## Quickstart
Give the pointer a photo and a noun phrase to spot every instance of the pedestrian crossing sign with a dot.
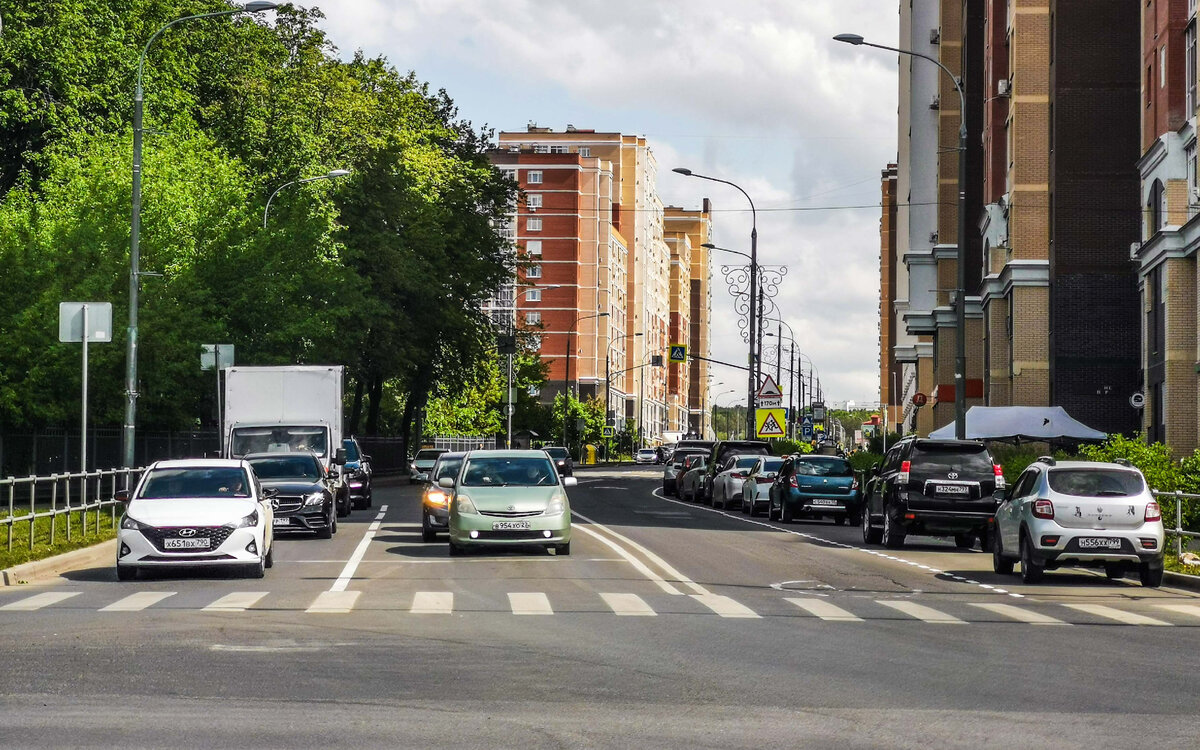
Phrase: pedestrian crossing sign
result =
(678, 353)
(769, 423)
(609, 431)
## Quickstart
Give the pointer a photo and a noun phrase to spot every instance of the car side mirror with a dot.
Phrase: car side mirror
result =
(122, 496)
(570, 482)
(423, 477)
(446, 482)
(270, 492)
(339, 456)
(875, 468)
(1001, 494)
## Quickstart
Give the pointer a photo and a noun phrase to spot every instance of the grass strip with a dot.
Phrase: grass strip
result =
(46, 546)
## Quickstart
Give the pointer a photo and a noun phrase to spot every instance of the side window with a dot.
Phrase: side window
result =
(892, 461)
(1025, 483)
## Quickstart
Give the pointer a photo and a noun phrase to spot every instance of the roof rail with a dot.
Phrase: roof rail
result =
(1048, 460)
(1123, 462)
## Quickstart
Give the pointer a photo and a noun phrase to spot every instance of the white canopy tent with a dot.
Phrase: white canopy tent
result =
(1029, 423)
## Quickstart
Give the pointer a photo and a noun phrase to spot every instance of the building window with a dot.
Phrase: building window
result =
(1154, 209)
(1149, 84)
(541, 148)
(1162, 66)
(533, 200)
(558, 149)
(533, 272)
(533, 318)
(585, 152)
(534, 295)
(533, 224)
(1189, 154)
(534, 248)
(509, 173)
(1189, 37)
(533, 177)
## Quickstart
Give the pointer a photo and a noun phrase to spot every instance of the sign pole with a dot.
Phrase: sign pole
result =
(84, 400)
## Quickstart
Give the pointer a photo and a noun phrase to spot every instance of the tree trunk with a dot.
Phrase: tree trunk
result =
(356, 407)
(376, 399)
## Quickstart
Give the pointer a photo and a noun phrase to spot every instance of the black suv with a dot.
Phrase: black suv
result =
(722, 451)
(933, 488)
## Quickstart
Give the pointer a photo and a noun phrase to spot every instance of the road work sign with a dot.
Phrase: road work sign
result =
(769, 423)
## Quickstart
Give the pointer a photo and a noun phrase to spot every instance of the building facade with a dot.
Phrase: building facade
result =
(687, 231)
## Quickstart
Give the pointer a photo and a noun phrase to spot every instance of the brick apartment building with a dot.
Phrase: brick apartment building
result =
(1051, 296)
(691, 313)
(590, 222)
(889, 368)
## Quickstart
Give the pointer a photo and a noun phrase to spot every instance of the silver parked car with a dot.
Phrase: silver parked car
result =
(1079, 513)
(727, 484)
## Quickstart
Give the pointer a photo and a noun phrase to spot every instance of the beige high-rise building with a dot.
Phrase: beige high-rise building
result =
(689, 385)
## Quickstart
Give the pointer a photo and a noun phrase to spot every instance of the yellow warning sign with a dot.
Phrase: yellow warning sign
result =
(769, 423)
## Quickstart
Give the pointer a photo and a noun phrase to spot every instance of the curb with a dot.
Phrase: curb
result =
(1182, 580)
(97, 555)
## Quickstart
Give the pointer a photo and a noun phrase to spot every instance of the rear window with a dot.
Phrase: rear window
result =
(749, 449)
(682, 455)
(823, 467)
(942, 459)
(745, 462)
(773, 464)
(427, 455)
(446, 467)
(1096, 482)
(557, 452)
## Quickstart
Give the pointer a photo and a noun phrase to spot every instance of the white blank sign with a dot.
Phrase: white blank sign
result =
(70, 321)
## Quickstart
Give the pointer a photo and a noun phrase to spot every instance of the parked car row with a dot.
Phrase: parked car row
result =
(226, 512)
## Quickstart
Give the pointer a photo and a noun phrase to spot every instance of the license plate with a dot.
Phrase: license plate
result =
(824, 501)
(1092, 542)
(951, 489)
(182, 543)
(510, 526)
(283, 521)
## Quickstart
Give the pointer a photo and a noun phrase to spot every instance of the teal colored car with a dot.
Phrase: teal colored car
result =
(811, 486)
(509, 498)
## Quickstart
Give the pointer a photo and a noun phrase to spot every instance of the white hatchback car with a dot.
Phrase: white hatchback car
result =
(196, 512)
(1079, 513)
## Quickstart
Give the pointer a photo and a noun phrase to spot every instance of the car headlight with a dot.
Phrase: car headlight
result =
(129, 523)
(464, 505)
(250, 520)
(555, 507)
(436, 497)
(315, 498)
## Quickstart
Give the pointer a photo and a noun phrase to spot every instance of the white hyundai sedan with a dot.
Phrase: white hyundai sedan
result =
(196, 512)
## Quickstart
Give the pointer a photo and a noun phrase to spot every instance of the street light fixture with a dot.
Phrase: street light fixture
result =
(755, 299)
(512, 330)
(331, 174)
(567, 381)
(135, 223)
(960, 302)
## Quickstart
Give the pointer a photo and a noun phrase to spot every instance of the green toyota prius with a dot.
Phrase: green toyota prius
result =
(509, 498)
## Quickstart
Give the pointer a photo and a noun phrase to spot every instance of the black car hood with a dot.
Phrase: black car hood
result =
(294, 487)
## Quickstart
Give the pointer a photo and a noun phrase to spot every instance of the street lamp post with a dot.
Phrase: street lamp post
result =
(331, 174)
(135, 224)
(567, 381)
(608, 373)
(960, 312)
(755, 301)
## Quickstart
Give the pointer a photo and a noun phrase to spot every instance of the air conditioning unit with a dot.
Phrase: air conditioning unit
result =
(1003, 87)
(935, 102)
(935, 36)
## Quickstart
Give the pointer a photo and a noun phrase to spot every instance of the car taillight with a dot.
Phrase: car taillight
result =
(998, 470)
(792, 481)
(854, 484)
(764, 480)
(1043, 509)
(905, 467)
(1153, 512)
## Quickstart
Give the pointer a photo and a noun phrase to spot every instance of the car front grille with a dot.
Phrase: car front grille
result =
(510, 513)
(288, 504)
(522, 534)
(218, 535)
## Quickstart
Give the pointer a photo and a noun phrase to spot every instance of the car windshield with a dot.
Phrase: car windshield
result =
(557, 452)
(509, 471)
(1096, 482)
(446, 467)
(201, 481)
(351, 450)
(286, 467)
(823, 467)
(247, 440)
(428, 455)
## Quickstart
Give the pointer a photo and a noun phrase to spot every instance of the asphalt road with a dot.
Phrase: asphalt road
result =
(670, 625)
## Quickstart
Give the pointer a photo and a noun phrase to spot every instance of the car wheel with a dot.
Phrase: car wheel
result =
(1000, 563)
(871, 535)
(666, 490)
(455, 550)
(269, 560)
(1151, 576)
(893, 535)
(126, 573)
(1031, 572)
(854, 518)
(785, 513)
(562, 549)
(964, 541)
(258, 569)
(333, 524)
(428, 534)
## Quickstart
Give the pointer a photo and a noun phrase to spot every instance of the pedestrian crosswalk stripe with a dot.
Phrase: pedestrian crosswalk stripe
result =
(825, 610)
(37, 601)
(724, 606)
(628, 605)
(921, 612)
(1183, 609)
(137, 602)
(1129, 618)
(1020, 614)
(334, 602)
(238, 601)
(432, 603)
(530, 604)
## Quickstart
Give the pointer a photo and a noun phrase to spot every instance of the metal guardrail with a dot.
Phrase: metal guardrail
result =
(1178, 532)
(65, 494)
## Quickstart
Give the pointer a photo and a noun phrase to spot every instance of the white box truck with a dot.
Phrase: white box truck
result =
(286, 408)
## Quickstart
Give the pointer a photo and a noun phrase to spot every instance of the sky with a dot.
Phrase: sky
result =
(754, 91)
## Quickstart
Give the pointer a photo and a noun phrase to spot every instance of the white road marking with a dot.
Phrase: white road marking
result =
(824, 610)
(432, 603)
(1183, 609)
(724, 606)
(374, 526)
(334, 602)
(37, 601)
(137, 602)
(1020, 614)
(921, 612)
(530, 604)
(636, 563)
(673, 574)
(238, 601)
(1111, 613)
(628, 605)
